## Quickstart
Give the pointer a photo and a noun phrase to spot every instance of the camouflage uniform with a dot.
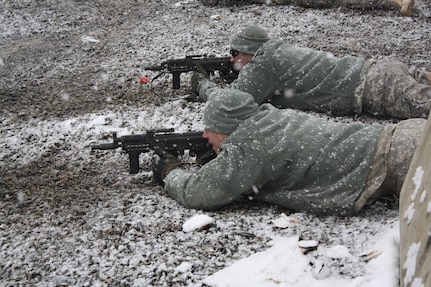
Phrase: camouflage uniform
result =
(393, 89)
(299, 161)
(307, 79)
(395, 149)
(415, 218)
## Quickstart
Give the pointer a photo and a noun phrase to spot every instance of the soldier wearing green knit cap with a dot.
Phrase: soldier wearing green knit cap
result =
(300, 161)
(288, 76)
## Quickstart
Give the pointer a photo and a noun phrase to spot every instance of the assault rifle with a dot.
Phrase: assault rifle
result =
(189, 64)
(173, 143)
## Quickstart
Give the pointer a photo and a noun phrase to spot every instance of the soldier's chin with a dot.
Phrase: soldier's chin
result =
(237, 66)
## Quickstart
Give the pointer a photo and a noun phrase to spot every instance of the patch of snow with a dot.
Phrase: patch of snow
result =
(410, 263)
(417, 181)
(197, 222)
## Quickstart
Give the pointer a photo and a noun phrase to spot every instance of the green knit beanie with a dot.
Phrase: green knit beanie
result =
(226, 109)
(249, 40)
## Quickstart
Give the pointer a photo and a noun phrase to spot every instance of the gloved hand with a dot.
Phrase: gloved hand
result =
(198, 76)
(206, 157)
(195, 81)
(163, 165)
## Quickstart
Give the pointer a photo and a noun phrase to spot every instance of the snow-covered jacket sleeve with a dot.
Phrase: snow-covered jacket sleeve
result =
(221, 181)
(205, 87)
(300, 78)
(259, 77)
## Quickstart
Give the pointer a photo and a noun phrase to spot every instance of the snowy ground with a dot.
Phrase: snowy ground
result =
(72, 217)
(119, 229)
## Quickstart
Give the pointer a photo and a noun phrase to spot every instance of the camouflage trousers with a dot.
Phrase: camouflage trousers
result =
(394, 153)
(405, 139)
(393, 89)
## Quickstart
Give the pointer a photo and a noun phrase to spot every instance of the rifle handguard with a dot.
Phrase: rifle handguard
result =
(166, 139)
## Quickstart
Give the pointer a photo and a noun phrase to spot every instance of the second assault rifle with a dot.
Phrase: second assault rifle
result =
(173, 143)
(189, 64)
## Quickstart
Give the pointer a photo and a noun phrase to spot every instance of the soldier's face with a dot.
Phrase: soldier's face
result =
(239, 60)
(214, 139)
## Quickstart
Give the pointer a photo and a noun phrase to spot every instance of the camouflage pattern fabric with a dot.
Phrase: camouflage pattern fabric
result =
(392, 89)
(405, 140)
(378, 170)
(394, 152)
(285, 157)
(415, 218)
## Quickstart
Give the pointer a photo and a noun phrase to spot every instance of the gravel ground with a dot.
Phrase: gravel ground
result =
(74, 218)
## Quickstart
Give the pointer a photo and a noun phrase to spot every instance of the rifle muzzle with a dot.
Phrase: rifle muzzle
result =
(153, 68)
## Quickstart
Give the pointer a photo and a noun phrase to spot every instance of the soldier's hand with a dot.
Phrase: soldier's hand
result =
(198, 76)
(202, 70)
(163, 164)
(196, 79)
(206, 157)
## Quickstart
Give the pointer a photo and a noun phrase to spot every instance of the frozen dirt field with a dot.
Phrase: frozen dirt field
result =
(69, 74)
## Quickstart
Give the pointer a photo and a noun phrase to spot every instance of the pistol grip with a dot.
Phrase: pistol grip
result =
(134, 162)
(176, 81)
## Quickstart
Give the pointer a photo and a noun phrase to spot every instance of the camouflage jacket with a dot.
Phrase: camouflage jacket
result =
(286, 157)
(299, 78)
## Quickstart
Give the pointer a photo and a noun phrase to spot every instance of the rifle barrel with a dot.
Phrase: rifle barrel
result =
(153, 68)
(105, 146)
